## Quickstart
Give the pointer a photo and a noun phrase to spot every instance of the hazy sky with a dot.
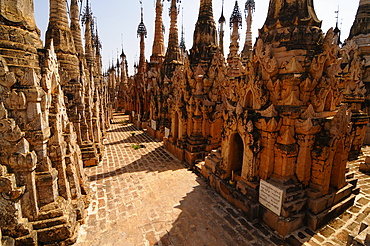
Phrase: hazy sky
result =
(120, 18)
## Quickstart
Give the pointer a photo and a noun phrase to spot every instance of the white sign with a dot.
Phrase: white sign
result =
(166, 132)
(133, 113)
(271, 197)
(154, 125)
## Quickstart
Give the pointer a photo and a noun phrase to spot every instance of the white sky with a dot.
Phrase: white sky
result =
(117, 18)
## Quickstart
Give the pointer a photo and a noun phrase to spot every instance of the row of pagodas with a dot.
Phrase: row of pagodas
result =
(271, 127)
(53, 115)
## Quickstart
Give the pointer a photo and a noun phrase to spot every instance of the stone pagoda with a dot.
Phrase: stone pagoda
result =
(141, 97)
(44, 194)
(196, 93)
(360, 34)
(159, 76)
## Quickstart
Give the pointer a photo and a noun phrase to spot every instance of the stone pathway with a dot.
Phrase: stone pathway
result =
(146, 196)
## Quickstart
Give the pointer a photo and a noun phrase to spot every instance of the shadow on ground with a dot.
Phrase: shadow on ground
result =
(157, 160)
(144, 163)
(206, 219)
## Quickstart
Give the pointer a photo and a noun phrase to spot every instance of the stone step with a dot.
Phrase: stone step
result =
(213, 158)
(198, 166)
(50, 214)
(293, 207)
(292, 196)
(57, 233)
(317, 205)
(41, 224)
(350, 175)
(315, 221)
(216, 153)
(353, 181)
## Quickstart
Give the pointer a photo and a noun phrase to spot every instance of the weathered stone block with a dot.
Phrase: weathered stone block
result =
(314, 222)
(55, 234)
(283, 225)
(365, 166)
(249, 191)
(175, 150)
(317, 205)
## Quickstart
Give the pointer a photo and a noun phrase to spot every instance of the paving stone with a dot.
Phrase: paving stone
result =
(293, 241)
(363, 201)
(355, 209)
(245, 234)
(353, 226)
(319, 238)
(278, 241)
(343, 236)
(245, 223)
(312, 243)
(327, 231)
(337, 223)
(232, 222)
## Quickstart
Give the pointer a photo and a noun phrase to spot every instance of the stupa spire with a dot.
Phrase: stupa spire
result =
(75, 26)
(205, 35)
(58, 13)
(98, 46)
(336, 29)
(361, 25)
(173, 55)
(158, 50)
(293, 16)
(142, 33)
(235, 23)
(222, 22)
(182, 40)
(87, 20)
(291, 13)
(250, 6)
(59, 32)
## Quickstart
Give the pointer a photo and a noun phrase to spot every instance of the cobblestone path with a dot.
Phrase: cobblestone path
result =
(147, 197)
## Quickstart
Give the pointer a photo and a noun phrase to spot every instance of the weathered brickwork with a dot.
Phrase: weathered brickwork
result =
(43, 128)
(270, 129)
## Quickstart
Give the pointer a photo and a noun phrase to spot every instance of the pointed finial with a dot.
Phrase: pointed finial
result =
(87, 15)
(250, 4)
(122, 53)
(222, 18)
(182, 42)
(141, 30)
(141, 3)
(236, 16)
(336, 29)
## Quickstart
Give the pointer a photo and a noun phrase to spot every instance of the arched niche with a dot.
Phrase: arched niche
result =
(236, 153)
(248, 100)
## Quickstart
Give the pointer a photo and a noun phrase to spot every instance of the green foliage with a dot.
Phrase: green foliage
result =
(136, 146)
